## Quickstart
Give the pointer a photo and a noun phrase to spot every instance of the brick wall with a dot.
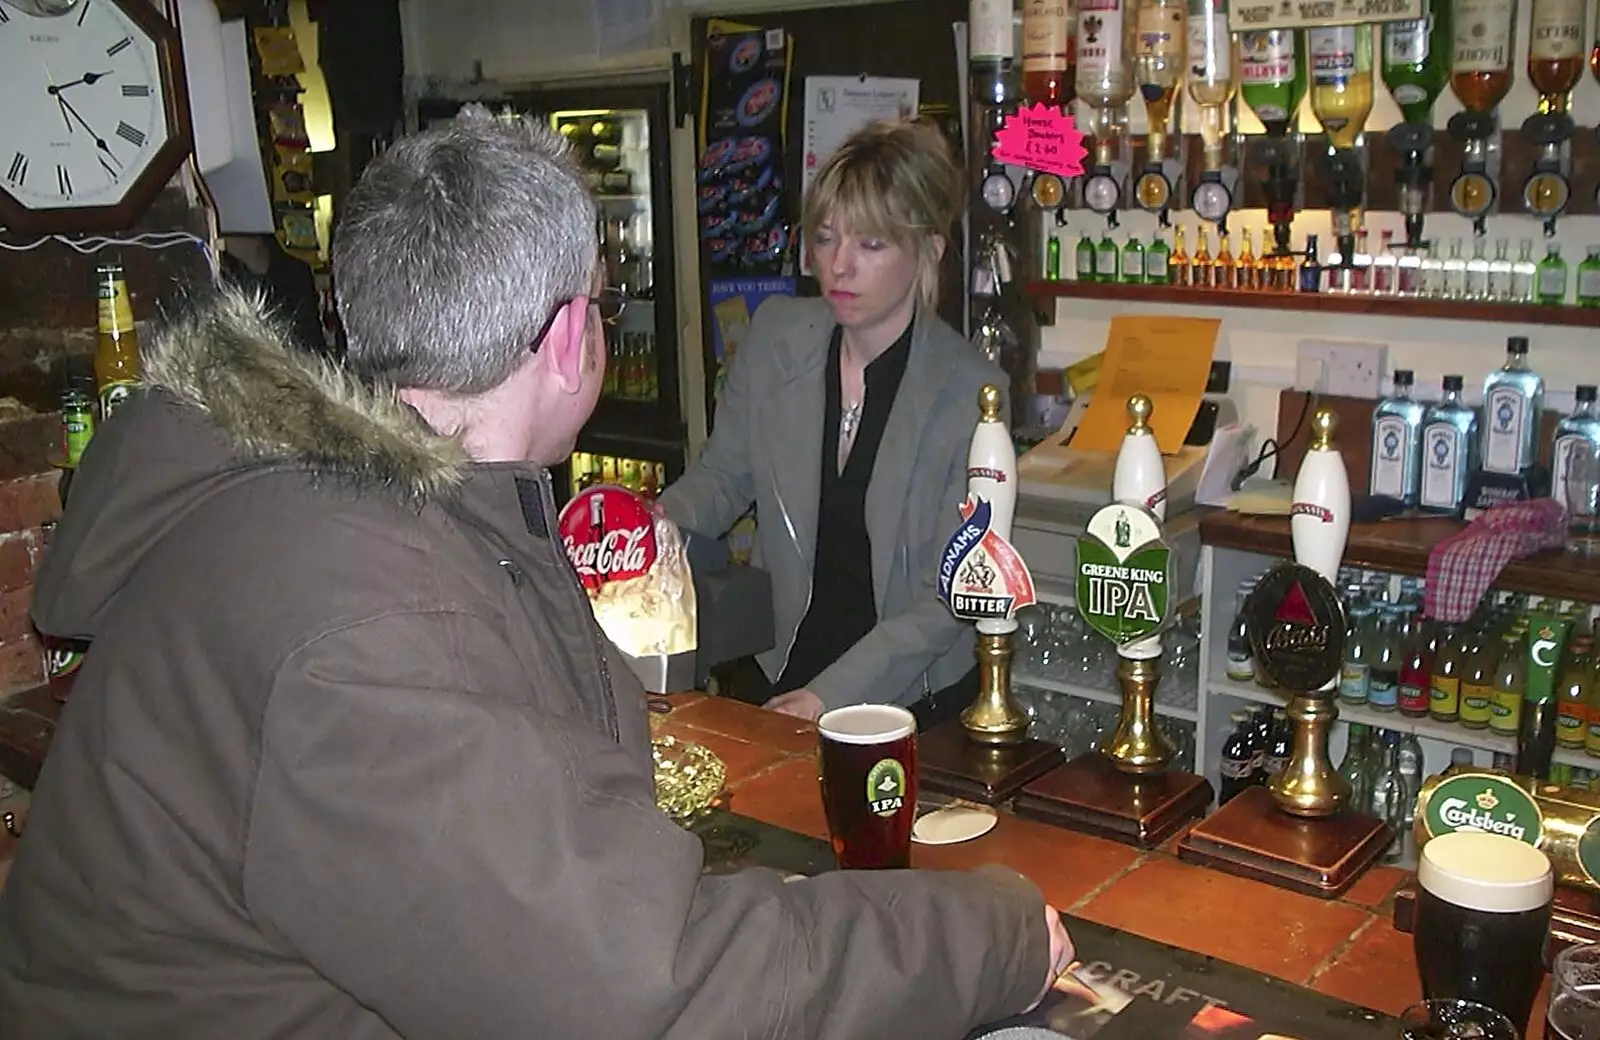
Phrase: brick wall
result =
(47, 316)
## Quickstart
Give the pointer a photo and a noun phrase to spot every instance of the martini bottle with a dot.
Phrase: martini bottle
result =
(1211, 72)
(1272, 77)
(1416, 60)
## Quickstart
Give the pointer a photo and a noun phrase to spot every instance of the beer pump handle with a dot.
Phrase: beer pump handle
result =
(1319, 514)
(1140, 477)
(992, 477)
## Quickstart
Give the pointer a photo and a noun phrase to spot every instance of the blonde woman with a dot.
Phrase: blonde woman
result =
(846, 421)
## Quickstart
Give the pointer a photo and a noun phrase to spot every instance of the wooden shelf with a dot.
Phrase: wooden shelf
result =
(1331, 303)
(1402, 545)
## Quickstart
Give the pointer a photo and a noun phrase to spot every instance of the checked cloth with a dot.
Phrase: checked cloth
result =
(1464, 566)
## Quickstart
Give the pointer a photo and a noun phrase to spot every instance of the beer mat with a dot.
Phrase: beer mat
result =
(1123, 987)
(953, 825)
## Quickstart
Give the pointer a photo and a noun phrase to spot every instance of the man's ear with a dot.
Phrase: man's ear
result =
(564, 345)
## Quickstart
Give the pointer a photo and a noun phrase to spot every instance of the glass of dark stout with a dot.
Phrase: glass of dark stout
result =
(1574, 1012)
(1483, 913)
(1454, 1020)
(867, 758)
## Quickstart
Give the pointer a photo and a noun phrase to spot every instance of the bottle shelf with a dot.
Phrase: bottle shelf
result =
(1431, 728)
(1044, 293)
(1176, 704)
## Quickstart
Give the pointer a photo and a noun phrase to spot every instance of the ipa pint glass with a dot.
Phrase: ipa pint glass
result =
(868, 761)
(1483, 911)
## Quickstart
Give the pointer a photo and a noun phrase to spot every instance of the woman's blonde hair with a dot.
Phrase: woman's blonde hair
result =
(896, 181)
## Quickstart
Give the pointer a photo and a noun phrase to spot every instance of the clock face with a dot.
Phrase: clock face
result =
(86, 106)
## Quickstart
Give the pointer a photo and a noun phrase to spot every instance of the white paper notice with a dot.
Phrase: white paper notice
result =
(838, 106)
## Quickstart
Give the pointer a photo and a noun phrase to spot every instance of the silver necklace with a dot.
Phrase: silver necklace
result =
(849, 421)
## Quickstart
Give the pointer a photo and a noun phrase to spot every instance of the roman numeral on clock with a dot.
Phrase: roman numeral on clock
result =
(64, 182)
(19, 170)
(135, 90)
(4, 18)
(120, 46)
(132, 135)
(83, 12)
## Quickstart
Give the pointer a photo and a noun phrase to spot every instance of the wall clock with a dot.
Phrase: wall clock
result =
(96, 113)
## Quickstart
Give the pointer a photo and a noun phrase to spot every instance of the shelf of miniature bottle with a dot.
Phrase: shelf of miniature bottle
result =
(1402, 546)
(1045, 293)
(1431, 728)
(1171, 703)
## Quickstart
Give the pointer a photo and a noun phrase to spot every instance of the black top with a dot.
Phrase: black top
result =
(843, 607)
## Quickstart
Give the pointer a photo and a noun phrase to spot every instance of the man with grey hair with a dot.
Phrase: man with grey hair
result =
(349, 757)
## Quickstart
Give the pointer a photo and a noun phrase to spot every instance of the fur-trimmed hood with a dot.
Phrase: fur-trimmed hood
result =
(229, 357)
(229, 398)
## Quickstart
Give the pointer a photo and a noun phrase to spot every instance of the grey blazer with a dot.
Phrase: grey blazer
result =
(766, 448)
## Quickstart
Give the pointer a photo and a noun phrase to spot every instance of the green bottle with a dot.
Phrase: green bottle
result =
(1133, 262)
(1155, 262)
(1550, 277)
(1052, 260)
(1416, 60)
(1272, 78)
(1084, 259)
(1105, 259)
(1589, 279)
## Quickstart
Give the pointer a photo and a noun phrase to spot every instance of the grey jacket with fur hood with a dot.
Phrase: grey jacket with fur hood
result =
(346, 761)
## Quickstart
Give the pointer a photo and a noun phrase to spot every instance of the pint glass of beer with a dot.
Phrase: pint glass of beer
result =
(868, 761)
(1574, 1012)
(1483, 911)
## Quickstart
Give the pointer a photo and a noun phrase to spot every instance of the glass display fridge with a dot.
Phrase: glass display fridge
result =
(620, 134)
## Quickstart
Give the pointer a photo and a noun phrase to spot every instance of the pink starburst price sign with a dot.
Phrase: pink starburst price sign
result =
(1043, 139)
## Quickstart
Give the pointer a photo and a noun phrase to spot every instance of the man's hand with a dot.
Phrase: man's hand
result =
(1061, 952)
(799, 703)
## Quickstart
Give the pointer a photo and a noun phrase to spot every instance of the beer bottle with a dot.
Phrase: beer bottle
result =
(1506, 710)
(1572, 693)
(116, 352)
(1477, 682)
(1444, 697)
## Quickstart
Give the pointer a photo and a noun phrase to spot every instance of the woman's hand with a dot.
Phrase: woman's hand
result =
(800, 703)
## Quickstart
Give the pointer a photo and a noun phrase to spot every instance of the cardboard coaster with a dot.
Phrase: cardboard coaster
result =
(953, 825)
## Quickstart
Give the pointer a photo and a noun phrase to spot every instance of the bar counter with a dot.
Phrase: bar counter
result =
(1346, 948)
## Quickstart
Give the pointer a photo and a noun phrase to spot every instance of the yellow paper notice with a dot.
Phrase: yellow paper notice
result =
(1167, 360)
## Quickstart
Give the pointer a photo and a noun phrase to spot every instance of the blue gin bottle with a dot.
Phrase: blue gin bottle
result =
(1513, 401)
(1449, 447)
(1397, 442)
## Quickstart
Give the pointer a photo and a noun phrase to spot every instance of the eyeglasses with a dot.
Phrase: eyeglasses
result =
(609, 301)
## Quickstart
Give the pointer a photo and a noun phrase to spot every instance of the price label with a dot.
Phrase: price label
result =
(1042, 139)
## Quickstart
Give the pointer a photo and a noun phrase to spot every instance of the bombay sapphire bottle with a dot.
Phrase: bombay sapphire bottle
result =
(1513, 400)
(1396, 440)
(1449, 444)
(1582, 425)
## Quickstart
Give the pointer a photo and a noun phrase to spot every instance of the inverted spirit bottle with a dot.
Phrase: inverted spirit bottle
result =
(1210, 79)
(1047, 52)
(1555, 51)
(1158, 57)
(1271, 77)
(1582, 426)
(1341, 80)
(1484, 35)
(1513, 401)
(1104, 78)
(1397, 442)
(1416, 60)
(1449, 447)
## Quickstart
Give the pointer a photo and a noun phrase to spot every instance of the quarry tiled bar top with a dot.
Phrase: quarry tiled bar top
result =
(1346, 948)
